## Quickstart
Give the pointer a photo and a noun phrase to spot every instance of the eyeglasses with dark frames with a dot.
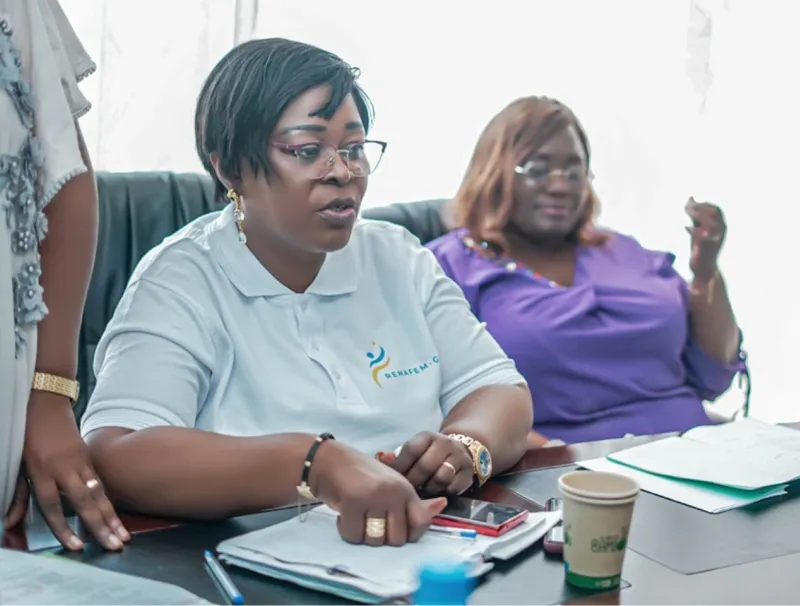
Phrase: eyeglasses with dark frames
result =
(317, 160)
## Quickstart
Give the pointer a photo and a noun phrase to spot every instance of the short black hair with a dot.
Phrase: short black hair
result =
(246, 93)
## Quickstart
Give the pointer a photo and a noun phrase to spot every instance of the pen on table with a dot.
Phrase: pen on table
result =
(458, 533)
(223, 580)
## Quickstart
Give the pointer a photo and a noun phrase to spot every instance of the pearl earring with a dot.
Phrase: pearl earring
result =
(238, 213)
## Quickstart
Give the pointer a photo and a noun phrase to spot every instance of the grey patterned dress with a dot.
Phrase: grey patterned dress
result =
(41, 62)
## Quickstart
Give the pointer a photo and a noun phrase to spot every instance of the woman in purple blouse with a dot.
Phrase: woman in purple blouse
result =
(611, 340)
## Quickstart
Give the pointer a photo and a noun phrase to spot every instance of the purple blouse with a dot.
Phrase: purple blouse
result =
(610, 355)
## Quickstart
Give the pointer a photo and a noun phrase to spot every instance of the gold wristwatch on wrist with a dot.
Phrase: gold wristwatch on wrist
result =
(481, 457)
(60, 386)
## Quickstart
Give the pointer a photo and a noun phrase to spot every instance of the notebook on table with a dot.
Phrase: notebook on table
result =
(311, 553)
(27, 578)
(714, 468)
(743, 455)
(702, 496)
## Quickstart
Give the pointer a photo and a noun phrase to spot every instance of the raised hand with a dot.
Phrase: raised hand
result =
(708, 234)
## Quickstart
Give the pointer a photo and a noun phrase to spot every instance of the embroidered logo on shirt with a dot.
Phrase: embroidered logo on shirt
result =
(379, 363)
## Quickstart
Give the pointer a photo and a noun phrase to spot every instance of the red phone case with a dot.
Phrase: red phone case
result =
(489, 531)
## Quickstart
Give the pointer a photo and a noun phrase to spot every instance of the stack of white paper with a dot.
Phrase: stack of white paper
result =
(713, 468)
(311, 553)
(39, 579)
(706, 497)
(746, 454)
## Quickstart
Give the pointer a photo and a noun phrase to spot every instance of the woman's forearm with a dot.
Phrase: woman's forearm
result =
(67, 255)
(713, 323)
(188, 473)
(500, 417)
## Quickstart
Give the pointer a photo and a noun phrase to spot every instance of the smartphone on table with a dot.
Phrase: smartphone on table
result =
(554, 539)
(485, 518)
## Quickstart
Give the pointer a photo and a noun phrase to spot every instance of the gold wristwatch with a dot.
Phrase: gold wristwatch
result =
(481, 457)
(60, 386)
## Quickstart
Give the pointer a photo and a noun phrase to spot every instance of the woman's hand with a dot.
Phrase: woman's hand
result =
(56, 461)
(364, 490)
(434, 463)
(708, 234)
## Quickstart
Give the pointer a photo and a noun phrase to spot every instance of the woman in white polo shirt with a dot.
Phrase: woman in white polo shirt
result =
(250, 336)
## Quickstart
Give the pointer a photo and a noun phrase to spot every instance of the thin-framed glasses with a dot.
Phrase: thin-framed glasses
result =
(318, 159)
(542, 173)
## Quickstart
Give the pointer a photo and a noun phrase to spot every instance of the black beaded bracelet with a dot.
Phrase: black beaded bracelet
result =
(304, 490)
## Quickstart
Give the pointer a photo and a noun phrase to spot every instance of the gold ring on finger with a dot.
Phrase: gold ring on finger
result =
(376, 528)
(92, 484)
(450, 466)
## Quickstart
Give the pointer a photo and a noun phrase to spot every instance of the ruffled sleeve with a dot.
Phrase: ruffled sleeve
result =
(706, 375)
(41, 61)
(74, 63)
(53, 60)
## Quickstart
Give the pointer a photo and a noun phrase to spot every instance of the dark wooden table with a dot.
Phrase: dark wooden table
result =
(770, 581)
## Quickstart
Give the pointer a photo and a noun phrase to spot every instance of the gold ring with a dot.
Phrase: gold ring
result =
(450, 466)
(92, 484)
(376, 528)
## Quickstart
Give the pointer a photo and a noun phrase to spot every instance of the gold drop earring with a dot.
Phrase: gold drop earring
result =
(238, 214)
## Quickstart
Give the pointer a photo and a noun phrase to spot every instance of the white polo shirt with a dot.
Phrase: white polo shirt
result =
(381, 346)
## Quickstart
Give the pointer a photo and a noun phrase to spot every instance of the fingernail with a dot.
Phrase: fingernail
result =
(74, 543)
(439, 503)
(123, 534)
(114, 541)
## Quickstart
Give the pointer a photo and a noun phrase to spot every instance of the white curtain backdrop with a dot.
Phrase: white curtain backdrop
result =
(679, 97)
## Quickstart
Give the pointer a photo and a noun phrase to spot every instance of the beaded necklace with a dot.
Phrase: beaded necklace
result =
(509, 264)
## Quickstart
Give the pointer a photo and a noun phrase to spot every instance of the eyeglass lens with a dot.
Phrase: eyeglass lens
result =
(360, 159)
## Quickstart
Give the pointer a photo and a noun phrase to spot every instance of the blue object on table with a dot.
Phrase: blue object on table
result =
(462, 533)
(444, 583)
(217, 572)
